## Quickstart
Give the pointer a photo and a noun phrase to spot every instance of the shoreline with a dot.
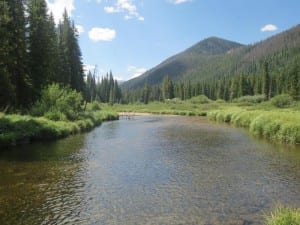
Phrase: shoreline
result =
(134, 114)
(24, 129)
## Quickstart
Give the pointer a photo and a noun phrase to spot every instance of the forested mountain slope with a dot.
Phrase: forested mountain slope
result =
(192, 59)
(214, 59)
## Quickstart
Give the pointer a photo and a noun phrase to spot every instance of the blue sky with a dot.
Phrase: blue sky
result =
(131, 36)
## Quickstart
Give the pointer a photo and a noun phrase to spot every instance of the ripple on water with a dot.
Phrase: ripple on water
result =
(149, 170)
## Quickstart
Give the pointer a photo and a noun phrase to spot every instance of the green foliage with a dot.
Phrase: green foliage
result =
(284, 216)
(17, 129)
(34, 53)
(282, 101)
(250, 99)
(220, 101)
(58, 103)
(167, 88)
(273, 125)
(55, 114)
(200, 99)
(94, 106)
(106, 90)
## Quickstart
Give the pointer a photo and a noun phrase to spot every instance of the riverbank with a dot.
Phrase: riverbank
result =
(279, 124)
(22, 129)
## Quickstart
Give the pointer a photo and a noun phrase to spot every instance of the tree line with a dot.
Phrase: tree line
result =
(105, 90)
(34, 52)
(228, 88)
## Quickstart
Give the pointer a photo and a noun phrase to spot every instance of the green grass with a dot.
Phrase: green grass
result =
(171, 107)
(263, 119)
(16, 129)
(282, 126)
(284, 216)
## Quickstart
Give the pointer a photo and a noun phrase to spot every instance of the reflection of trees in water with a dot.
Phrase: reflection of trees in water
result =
(39, 180)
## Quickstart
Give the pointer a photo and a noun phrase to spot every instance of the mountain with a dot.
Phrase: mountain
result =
(185, 62)
(214, 58)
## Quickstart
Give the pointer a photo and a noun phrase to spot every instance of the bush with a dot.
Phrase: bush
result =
(55, 115)
(220, 101)
(58, 103)
(200, 99)
(251, 99)
(94, 106)
(282, 101)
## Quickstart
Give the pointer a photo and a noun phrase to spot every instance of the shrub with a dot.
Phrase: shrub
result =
(94, 106)
(55, 115)
(220, 101)
(282, 101)
(200, 99)
(58, 103)
(251, 99)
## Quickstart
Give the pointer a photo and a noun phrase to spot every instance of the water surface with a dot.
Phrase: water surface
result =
(149, 170)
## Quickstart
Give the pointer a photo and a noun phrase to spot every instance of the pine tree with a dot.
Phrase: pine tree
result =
(294, 75)
(266, 81)
(40, 45)
(7, 93)
(146, 92)
(71, 66)
(167, 88)
(54, 60)
(16, 58)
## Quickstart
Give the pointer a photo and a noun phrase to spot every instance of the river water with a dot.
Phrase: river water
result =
(149, 170)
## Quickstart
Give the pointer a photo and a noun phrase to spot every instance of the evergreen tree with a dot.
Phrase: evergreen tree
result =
(167, 88)
(54, 60)
(71, 66)
(40, 45)
(266, 81)
(7, 92)
(294, 75)
(146, 92)
(16, 56)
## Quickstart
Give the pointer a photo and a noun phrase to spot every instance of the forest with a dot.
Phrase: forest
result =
(35, 53)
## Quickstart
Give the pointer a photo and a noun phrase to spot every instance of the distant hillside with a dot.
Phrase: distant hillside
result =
(214, 58)
(185, 62)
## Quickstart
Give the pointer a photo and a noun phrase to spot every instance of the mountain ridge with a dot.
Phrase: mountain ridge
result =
(215, 57)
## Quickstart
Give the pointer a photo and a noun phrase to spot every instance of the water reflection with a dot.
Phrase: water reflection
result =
(148, 170)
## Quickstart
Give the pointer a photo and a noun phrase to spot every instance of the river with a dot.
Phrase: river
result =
(149, 170)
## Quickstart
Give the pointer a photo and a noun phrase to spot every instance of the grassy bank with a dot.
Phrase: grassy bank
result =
(274, 120)
(282, 126)
(284, 216)
(18, 129)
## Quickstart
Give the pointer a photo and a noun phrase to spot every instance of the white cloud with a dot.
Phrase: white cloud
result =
(80, 29)
(87, 68)
(57, 7)
(102, 34)
(110, 9)
(135, 71)
(125, 6)
(177, 2)
(268, 28)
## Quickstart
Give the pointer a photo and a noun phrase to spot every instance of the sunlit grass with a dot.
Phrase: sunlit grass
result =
(16, 129)
(284, 216)
(283, 126)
